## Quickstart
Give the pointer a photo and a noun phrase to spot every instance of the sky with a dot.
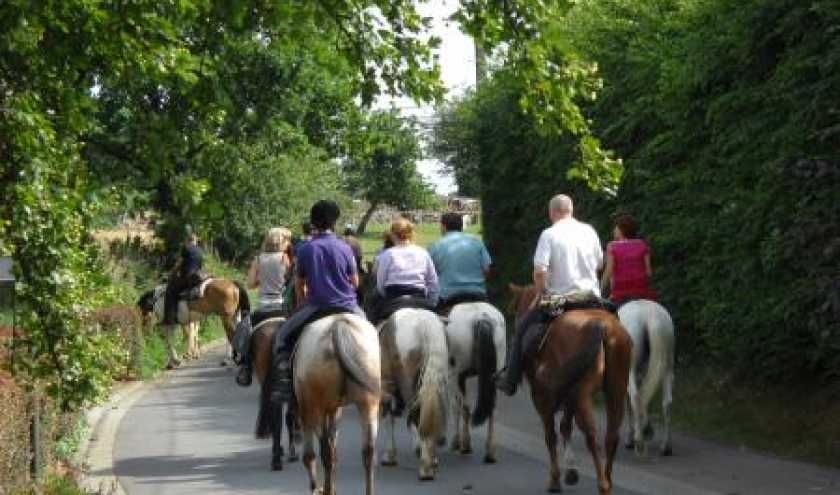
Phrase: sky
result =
(456, 56)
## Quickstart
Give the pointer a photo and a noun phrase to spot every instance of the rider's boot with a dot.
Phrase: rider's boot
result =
(283, 389)
(508, 378)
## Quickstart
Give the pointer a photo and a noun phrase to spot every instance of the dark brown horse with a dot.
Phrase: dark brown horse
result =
(584, 350)
(270, 417)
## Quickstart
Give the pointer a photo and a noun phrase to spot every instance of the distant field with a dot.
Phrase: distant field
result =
(427, 233)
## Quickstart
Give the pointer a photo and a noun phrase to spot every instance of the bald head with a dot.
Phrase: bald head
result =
(560, 206)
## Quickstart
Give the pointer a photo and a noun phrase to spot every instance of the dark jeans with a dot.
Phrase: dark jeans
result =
(514, 357)
(170, 299)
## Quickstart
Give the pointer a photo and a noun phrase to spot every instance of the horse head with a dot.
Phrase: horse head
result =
(146, 303)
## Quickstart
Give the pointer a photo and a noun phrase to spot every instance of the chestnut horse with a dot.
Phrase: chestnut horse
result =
(270, 417)
(584, 349)
(222, 297)
(336, 364)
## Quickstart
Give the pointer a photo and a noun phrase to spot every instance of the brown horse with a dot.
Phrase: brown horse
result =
(584, 350)
(221, 297)
(337, 364)
(270, 417)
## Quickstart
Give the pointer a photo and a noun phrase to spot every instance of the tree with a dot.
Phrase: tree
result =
(381, 163)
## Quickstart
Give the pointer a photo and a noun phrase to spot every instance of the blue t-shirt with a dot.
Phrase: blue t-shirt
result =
(327, 263)
(460, 260)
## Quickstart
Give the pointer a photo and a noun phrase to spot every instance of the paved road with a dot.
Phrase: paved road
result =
(191, 433)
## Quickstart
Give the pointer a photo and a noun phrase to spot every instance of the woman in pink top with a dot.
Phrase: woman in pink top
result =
(627, 270)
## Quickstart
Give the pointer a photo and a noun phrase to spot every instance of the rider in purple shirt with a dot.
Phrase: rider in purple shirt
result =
(327, 277)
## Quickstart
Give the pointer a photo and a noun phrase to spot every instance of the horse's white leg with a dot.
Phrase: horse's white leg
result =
(465, 446)
(426, 470)
(667, 399)
(456, 413)
(168, 333)
(309, 459)
(370, 424)
(637, 415)
(490, 444)
(390, 457)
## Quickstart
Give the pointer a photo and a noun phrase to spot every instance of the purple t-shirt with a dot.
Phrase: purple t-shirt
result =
(327, 263)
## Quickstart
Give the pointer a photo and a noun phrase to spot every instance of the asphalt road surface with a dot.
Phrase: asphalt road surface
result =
(192, 433)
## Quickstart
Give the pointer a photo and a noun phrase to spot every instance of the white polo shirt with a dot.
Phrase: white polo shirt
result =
(570, 253)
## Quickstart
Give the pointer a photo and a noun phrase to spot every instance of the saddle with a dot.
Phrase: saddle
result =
(552, 306)
(445, 306)
(198, 283)
(402, 302)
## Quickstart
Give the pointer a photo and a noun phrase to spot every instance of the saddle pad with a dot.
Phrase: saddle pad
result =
(404, 302)
(196, 292)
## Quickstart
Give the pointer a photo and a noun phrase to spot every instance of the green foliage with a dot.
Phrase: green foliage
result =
(381, 163)
(725, 115)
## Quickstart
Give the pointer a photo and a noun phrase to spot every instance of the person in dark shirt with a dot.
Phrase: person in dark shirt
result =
(185, 274)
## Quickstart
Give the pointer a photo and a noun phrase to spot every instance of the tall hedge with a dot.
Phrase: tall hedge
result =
(725, 113)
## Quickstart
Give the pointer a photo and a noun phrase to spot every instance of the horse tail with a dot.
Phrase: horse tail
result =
(485, 358)
(578, 365)
(349, 353)
(432, 393)
(244, 305)
(661, 357)
(266, 418)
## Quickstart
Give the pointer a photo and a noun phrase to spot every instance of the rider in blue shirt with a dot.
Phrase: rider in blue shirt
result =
(461, 261)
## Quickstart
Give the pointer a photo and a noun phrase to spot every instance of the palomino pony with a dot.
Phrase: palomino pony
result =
(270, 417)
(218, 296)
(652, 330)
(336, 364)
(476, 336)
(583, 350)
(414, 358)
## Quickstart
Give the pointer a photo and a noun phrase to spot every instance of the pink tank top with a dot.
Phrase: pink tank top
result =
(629, 277)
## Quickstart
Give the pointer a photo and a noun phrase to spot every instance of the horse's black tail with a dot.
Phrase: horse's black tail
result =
(244, 301)
(485, 356)
(267, 415)
(578, 365)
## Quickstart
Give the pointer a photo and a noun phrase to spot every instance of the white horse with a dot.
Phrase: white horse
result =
(652, 330)
(476, 336)
(414, 360)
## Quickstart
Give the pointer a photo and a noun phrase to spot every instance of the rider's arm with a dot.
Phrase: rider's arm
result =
(539, 284)
(648, 269)
(354, 280)
(300, 291)
(252, 281)
(605, 277)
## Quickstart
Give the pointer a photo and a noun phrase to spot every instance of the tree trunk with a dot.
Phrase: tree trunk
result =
(366, 218)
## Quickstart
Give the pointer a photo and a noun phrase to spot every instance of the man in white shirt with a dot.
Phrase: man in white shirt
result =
(567, 259)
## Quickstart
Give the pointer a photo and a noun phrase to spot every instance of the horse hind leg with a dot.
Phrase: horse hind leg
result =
(277, 438)
(667, 399)
(173, 360)
(550, 434)
(293, 427)
(368, 415)
(490, 444)
(328, 437)
(309, 460)
(571, 476)
(462, 420)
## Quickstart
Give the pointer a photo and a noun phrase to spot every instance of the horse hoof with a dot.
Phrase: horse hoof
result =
(667, 450)
(426, 477)
(466, 450)
(441, 441)
(629, 444)
(555, 488)
(389, 462)
(276, 464)
(571, 477)
(489, 459)
(294, 458)
(647, 432)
